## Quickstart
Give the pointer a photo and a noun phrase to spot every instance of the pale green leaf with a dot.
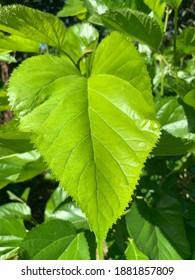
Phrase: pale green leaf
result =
(132, 253)
(4, 104)
(33, 25)
(72, 8)
(17, 43)
(157, 6)
(47, 241)
(77, 250)
(15, 209)
(7, 58)
(104, 132)
(135, 24)
(18, 167)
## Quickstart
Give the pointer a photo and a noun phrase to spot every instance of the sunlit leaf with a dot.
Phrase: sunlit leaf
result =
(104, 133)
(72, 8)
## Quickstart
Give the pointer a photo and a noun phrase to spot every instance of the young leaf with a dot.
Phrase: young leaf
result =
(137, 25)
(93, 132)
(32, 24)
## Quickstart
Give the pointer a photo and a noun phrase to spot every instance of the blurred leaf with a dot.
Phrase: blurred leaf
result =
(174, 3)
(59, 207)
(73, 8)
(155, 233)
(17, 43)
(77, 250)
(51, 241)
(4, 104)
(7, 58)
(15, 210)
(189, 98)
(20, 167)
(132, 253)
(157, 6)
(12, 231)
(186, 41)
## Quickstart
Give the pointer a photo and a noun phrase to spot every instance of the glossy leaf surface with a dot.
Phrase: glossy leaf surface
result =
(104, 133)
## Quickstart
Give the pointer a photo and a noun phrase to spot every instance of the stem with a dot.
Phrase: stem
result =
(175, 36)
(100, 253)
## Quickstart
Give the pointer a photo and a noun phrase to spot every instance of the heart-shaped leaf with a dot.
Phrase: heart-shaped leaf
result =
(96, 132)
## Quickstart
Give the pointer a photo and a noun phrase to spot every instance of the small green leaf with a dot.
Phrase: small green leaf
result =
(186, 41)
(137, 25)
(189, 98)
(132, 253)
(72, 8)
(7, 58)
(77, 250)
(50, 241)
(157, 6)
(32, 24)
(15, 209)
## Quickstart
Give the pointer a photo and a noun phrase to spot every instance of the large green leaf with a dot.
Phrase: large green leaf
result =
(17, 43)
(54, 240)
(158, 232)
(137, 25)
(157, 6)
(32, 24)
(96, 132)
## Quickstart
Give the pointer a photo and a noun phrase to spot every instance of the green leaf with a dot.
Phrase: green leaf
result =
(19, 167)
(135, 24)
(189, 98)
(77, 250)
(174, 3)
(59, 206)
(132, 253)
(172, 117)
(52, 240)
(72, 8)
(18, 43)
(7, 58)
(79, 39)
(4, 104)
(186, 41)
(153, 232)
(15, 209)
(157, 6)
(33, 25)
(104, 133)
(12, 231)
(169, 145)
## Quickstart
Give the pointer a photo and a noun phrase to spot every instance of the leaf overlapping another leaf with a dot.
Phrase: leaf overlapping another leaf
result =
(95, 133)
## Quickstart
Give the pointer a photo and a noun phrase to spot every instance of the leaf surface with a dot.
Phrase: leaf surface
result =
(52, 240)
(104, 132)
(32, 24)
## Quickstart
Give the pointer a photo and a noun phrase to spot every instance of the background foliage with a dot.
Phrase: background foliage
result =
(159, 222)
